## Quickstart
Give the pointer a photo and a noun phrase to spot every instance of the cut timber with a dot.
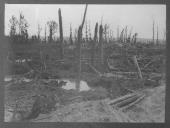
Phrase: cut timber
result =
(114, 113)
(127, 101)
(133, 103)
(138, 68)
(122, 98)
(119, 115)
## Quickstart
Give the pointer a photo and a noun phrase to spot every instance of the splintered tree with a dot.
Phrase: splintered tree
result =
(101, 44)
(89, 31)
(61, 33)
(23, 27)
(86, 33)
(129, 36)
(122, 36)
(93, 44)
(71, 39)
(52, 25)
(105, 31)
(39, 31)
(79, 49)
(125, 34)
(96, 32)
(118, 33)
(157, 39)
(13, 25)
(45, 34)
(153, 30)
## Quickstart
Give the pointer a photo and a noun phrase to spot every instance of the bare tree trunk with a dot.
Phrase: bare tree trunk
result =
(101, 43)
(153, 29)
(93, 44)
(79, 49)
(45, 34)
(157, 40)
(118, 33)
(71, 40)
(61, 33)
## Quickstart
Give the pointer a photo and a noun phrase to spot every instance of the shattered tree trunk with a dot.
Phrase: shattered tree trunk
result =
(157, 40)
(153, 29)
(61, 33)
(101, 44)
(45, 34)
(93, 44)
(79, 50)
(118, 34)
(138, 68)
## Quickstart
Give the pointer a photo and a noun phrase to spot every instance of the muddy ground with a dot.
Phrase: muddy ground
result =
(34, 89)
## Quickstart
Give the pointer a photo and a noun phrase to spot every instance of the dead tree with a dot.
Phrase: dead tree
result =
(135, 37)
(39, 31)
(153, 29)
(101, 44)
(89, 31)
(93, 44)
(129, 36)
(125, 35)
(96, 32)
(45, 34)
(71, 39)
(52, 29)
(86, 33)
(79, 49)
(118, 33)
(61, 33)
(122, 36)
(157, 40)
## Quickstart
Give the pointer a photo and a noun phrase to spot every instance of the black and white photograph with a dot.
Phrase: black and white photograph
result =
(85, 63)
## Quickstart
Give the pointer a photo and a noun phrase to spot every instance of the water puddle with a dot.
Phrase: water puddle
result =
(72, 85)
(23, 60)
(10, 78)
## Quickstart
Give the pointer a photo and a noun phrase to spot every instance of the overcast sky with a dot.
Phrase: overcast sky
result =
(138, 17)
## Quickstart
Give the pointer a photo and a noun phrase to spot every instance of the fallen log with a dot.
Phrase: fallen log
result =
(126, 101)
(119, 99)
(133, 103)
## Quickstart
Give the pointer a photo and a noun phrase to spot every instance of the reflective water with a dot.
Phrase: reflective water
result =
(7, 78)
(72, 85)
(10, 78)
